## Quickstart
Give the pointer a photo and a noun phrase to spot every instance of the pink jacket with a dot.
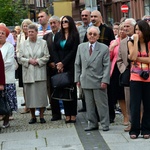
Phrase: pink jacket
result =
(114, 55)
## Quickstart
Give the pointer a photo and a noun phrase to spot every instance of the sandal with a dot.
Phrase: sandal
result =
(73, 119)
(133, 136)
(67, 119)
(146, 136)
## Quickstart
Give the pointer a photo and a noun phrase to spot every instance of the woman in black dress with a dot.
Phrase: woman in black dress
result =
(65, 47)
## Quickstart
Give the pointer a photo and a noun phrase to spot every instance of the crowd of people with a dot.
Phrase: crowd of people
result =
(93, 55)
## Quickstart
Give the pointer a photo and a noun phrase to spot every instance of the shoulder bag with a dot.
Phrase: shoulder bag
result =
(124, 78)
(4, 106)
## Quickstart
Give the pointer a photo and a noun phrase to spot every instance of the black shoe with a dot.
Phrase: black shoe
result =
(90, 128)
(55, 118)
(73, 121)
(107, 129)
(23, 104)
(68, 121)
(42, 120)
(82, 110)
(32, 121)
(49, 108)
(111, 120)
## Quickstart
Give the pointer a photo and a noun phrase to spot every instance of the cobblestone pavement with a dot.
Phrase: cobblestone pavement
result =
(20, 122)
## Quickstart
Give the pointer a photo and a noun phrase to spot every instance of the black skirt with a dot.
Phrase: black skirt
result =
(116, 92)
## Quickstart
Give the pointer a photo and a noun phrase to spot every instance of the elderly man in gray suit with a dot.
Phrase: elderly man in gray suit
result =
(92, 72)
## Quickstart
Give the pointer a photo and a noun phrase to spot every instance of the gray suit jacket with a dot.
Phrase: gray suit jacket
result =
(122, 61)
(92, 70)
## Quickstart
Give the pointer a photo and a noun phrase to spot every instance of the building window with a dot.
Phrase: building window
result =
(29, 2)
(147, 7)
(109, 15)
(38, 3)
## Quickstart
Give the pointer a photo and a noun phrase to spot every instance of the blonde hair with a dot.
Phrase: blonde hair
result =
(26, 21)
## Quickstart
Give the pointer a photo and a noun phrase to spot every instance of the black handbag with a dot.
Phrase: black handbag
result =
(4, 106)
(64, 94)
(124, 78)
(61, 80)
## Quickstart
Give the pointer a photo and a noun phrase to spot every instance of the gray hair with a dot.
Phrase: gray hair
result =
(132, 21)
(3, 24)
(54, 18)
(33, 26)
(145, 17)
(94, 27)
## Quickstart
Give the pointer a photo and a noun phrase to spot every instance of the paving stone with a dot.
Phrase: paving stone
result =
(67, 147)
(61, 137)
(130, 146)
(18, 136)
(30, 143)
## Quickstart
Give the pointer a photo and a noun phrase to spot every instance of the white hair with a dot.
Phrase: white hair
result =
(94, 27)
(3, 24)
(132, 21)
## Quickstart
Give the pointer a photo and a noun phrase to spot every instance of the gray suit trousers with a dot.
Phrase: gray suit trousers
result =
(97, 98)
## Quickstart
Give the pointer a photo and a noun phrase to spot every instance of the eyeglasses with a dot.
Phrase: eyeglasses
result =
(94, 34)
(65, 21)
(40, 17)
(84, 15)
(147, 19)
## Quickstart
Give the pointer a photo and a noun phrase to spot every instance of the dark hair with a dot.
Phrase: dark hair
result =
(72, 28)
(138, 20)
(116, 23)
(45, 11)
(13, 31)
(145, 29)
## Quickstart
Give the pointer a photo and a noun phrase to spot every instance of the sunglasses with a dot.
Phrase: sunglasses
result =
(65, 21)
(94, 34)
(147, 19)
(84, 15)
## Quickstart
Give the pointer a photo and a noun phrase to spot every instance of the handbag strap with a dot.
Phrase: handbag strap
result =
(128, 60)
(139, 49)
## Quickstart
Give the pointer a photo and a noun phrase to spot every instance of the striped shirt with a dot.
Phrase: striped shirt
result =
(42, 32)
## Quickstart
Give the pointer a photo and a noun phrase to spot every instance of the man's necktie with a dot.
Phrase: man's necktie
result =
(90, 50)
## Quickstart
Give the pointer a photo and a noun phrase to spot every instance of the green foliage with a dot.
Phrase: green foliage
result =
(12, 11)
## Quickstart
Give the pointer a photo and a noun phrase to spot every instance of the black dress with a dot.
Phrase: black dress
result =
(66, 55)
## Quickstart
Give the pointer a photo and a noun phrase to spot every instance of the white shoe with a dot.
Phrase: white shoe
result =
(62, 111)
(117, 112)
(37, 113)
(5, 126)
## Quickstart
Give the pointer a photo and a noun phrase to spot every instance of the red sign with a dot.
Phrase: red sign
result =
(124, 8)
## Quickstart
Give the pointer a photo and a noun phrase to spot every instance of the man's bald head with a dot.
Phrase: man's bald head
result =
(96, 18)
(98, 13)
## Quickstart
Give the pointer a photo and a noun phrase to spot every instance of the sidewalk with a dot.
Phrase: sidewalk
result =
(49, 136)
(60, 136)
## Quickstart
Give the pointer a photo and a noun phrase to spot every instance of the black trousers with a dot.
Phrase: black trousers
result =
(140, 92)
